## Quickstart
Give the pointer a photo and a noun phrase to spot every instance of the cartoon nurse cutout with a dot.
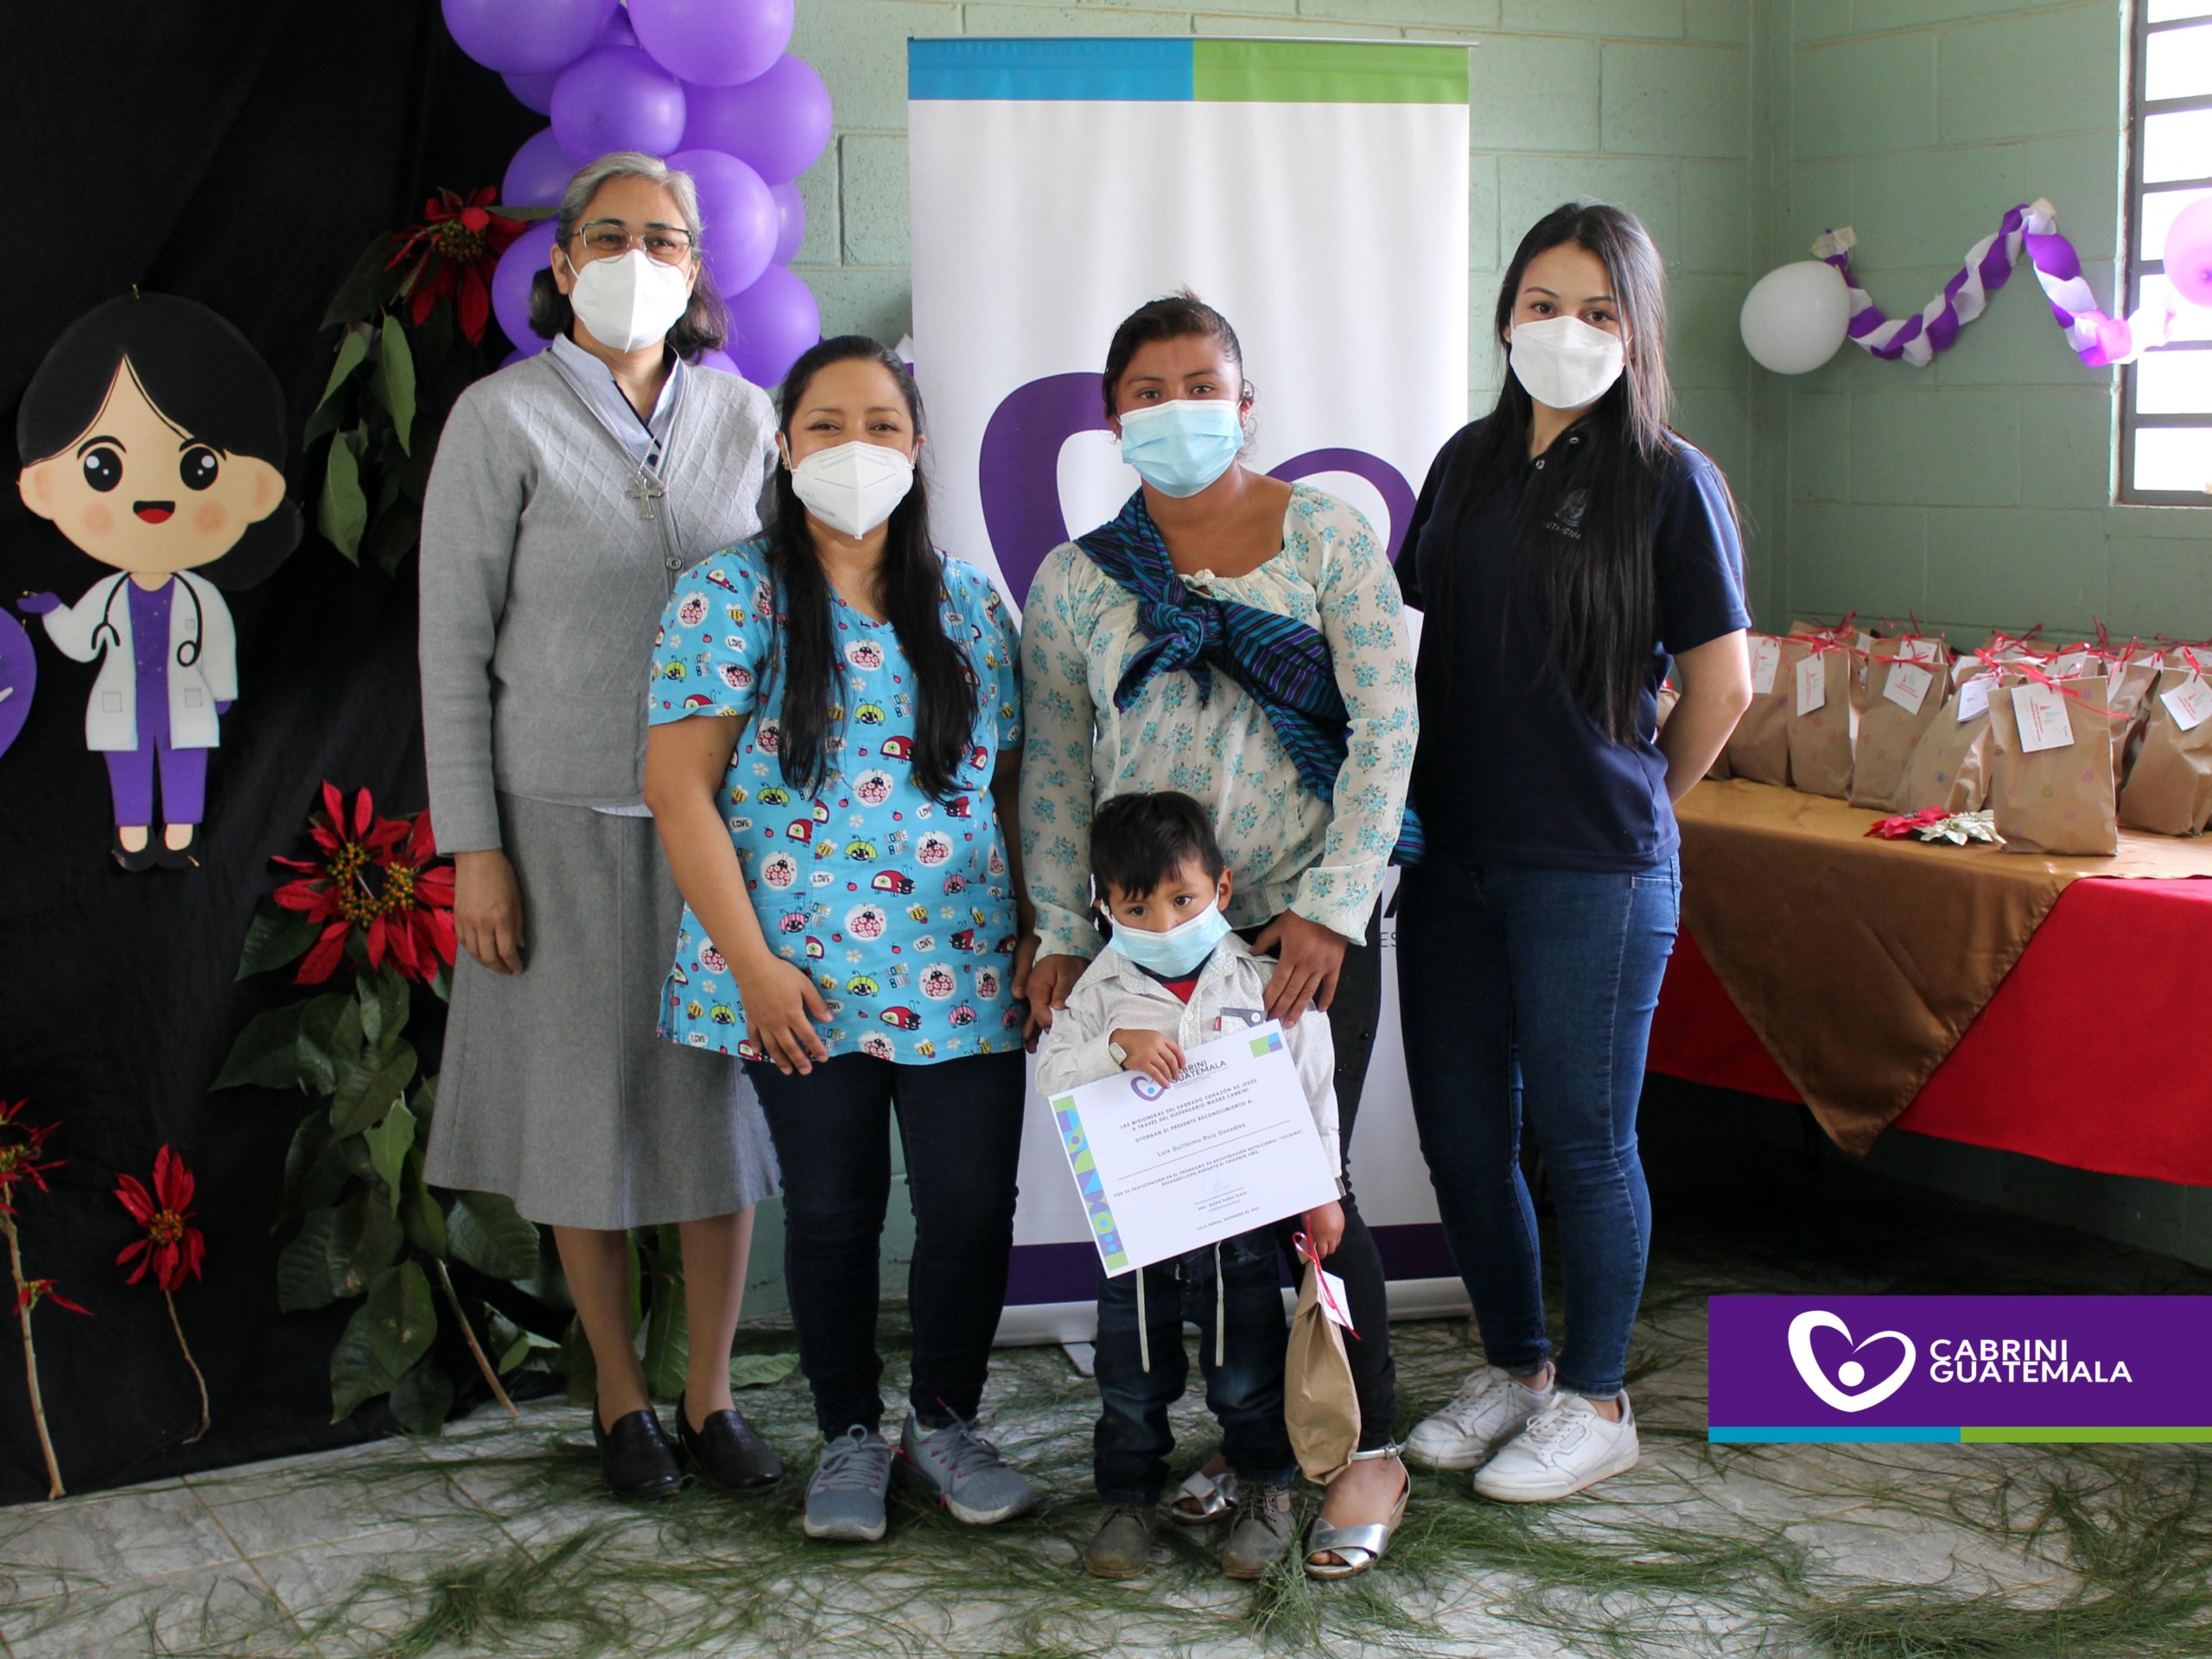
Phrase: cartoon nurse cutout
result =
(153, 437)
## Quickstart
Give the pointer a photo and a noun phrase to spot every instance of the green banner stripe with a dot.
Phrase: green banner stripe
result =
(1328, 71)
(2127, 1436)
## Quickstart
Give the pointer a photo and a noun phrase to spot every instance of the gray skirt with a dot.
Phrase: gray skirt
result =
(557, 1090)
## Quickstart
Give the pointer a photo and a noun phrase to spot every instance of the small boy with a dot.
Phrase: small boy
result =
(1175, 976)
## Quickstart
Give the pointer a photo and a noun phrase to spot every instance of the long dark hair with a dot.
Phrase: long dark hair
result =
(199, 373)
(910, 586)
(1595, 555)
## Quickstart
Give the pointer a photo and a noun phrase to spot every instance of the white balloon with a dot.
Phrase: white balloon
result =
(1795, 316)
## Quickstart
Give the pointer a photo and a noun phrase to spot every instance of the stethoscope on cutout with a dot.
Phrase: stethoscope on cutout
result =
(188, 652)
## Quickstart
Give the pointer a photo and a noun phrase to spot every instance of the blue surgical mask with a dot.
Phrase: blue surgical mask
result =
(1181, 951)
(1181, 447)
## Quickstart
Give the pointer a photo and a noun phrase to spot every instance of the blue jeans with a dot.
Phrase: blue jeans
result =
(1529, 990)
(1130, 1451)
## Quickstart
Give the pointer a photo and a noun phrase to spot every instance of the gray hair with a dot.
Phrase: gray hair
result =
(705, 324)
(629, 164)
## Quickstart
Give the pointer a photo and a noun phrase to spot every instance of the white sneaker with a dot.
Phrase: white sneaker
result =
(1566, 1447)
(1491, 1408)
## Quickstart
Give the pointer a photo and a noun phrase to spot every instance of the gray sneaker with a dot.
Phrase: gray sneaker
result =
(965, 1472)
(1261, 1534)
(844, 1501)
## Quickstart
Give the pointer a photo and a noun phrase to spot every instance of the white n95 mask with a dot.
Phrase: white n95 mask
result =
(1564, 362)
(631, 303)
(853, 488)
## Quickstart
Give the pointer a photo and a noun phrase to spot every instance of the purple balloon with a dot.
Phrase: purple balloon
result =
(714, 42)
(526, 37)
(619, 32)
(538, 174)
(533, 93)
(19, 676)
(776, 124)
(617, 98)
(518, 266)
(739, 215)
(769, 324)
(711, 359)
(523, 353)
(791, 220)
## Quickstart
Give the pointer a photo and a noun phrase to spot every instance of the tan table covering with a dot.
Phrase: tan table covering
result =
(1860, 962)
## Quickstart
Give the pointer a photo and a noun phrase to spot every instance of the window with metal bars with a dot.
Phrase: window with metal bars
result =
(2165, 419)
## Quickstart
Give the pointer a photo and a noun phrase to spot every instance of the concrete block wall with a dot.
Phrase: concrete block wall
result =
(1644, 103)
(1978, 490)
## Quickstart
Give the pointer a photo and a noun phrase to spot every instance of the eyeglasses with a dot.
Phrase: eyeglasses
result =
(610, 238)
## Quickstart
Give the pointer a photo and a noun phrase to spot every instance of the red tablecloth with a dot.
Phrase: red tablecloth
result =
(2096, 1052)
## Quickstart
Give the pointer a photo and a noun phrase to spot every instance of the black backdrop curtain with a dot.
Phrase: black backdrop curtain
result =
(240, 153)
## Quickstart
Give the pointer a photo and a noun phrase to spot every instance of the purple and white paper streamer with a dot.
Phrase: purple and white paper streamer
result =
(2031, 228)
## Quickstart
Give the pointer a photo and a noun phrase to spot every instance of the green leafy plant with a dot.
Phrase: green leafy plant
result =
(412, 316)
(374, 902)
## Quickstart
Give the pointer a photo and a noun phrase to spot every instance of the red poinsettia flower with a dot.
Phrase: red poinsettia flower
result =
(35, 1291)
(377, 875)
(19, 1153)
(173, 1247)
(1899, 828)
(452, 253)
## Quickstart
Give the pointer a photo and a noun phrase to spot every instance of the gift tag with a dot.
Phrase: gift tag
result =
(1974, 698)
(1812, 682)
(1766, 657)
(1331, 1296)
(1929, 651)
(2041, 713)
(2190, 703)
(1907, 686)
(2069, 664)
(1866, 641)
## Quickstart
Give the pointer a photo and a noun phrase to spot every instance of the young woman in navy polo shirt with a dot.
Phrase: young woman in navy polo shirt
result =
(1566, 547)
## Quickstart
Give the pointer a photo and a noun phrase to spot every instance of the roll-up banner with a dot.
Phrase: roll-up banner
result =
(1314, 192)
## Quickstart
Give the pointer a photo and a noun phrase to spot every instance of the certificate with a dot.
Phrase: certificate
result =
(1228, 1146)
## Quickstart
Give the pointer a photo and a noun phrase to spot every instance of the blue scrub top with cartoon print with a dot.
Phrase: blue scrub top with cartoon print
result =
(900, 907)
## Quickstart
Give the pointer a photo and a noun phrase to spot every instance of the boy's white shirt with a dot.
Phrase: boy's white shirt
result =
(1115, 994)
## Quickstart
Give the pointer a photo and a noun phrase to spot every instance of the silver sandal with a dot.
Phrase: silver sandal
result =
(1358, 1548)
(1215, 1496)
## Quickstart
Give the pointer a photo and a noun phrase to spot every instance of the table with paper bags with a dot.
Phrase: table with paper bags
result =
(2087, 759)
(2063, 747)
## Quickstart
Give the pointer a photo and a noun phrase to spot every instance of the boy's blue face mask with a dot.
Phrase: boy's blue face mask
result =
(1181, 447)
(1181, 951)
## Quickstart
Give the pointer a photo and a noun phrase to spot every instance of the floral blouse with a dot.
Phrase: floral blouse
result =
(900, 907)
(1290, 850)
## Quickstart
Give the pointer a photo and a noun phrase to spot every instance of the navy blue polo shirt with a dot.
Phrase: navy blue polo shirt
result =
(1510, 769)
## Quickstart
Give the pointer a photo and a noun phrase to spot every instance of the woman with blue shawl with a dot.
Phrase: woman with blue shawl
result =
(1237, 638)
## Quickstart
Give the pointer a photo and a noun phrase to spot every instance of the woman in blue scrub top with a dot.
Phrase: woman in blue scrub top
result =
(1565, 547)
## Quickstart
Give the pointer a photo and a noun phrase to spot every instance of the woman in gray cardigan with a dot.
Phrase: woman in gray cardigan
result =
(570, 492)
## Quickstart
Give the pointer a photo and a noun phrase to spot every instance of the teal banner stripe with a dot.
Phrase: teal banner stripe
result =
(1129, 71)
(1868, 1435)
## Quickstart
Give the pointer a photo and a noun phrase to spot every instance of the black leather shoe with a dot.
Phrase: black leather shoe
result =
(635, 1457)
(176, 858)
(727, 1452)
(144, 859)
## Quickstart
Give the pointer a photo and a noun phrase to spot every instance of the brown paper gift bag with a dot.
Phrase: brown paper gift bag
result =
(1895, 721)
(1320, 1407)
(1820, 736)
(1759, 747)
(2169, 789)
(2059, 799)
(1950, 765)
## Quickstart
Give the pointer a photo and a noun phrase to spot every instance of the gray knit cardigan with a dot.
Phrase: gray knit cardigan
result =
(543, 583)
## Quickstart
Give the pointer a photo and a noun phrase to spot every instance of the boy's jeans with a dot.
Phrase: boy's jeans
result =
(1129, 1456)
